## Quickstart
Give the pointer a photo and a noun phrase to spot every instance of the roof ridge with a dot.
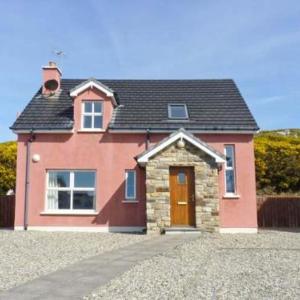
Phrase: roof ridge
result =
(156, 80)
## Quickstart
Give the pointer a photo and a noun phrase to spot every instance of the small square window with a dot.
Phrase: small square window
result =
(181, 178)
(97, 107)
(87, 121)
(98, 121)
(177, 111)
(88, 107)
(59, 179)
(63, 199)
(83, 199)
(84, 179)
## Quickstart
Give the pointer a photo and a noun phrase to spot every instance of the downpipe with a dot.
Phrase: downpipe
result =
(147, 138)
(27, 179)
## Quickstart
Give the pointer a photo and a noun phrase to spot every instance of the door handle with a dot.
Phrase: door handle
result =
(181, 202)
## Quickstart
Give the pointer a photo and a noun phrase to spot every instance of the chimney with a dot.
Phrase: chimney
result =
(51, 78)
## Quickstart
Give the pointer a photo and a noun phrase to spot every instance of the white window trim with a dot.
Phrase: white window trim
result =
(68, 212)
(130, 201)
(228, 195)
(177, 118)
(231, 196)
(71, 189)
(127, 198)
(91, 130)
(91, 84)
(92, 114)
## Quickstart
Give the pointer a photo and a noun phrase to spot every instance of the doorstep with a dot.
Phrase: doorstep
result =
(182, 230)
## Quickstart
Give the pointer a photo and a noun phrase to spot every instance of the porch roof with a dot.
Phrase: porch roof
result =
(143, 158)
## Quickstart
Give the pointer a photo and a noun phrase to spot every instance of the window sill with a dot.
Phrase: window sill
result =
(178, 119)
(90, 130)
(70, 213)
(231, 196)
(130, 201)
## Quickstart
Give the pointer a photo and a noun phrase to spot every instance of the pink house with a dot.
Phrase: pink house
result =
(130, 155)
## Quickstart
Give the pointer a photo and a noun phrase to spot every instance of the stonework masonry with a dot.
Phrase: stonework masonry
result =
(206, 187)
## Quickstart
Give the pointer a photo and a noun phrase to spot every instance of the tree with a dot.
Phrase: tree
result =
(8, 157)
(277, 162)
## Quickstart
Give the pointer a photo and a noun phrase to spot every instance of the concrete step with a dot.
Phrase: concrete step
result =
(182, 230)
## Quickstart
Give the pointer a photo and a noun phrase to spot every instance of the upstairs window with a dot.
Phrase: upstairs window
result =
(230, 169)
(177, 111)
(92, 115)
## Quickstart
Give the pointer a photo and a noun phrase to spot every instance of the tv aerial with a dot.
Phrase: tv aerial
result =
(59, 53)
(59, 56)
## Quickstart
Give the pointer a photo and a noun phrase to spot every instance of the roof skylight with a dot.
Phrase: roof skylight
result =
(177, 111)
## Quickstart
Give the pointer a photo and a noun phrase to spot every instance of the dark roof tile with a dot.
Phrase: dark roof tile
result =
(212, 105)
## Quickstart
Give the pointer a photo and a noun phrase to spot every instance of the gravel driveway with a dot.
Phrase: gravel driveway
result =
(262, 266)
(27, 255)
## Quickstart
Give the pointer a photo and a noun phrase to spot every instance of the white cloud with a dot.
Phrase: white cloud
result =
(270, 99)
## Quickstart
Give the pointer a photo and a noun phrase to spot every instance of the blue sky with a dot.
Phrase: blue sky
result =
(254, 42)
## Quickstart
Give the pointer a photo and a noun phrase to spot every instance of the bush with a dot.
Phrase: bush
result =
(8, 157)
(277, 162)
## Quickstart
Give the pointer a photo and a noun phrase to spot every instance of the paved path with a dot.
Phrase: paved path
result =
(80, 279)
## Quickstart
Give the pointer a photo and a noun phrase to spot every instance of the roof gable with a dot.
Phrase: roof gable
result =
(90, 84)
(184, 135)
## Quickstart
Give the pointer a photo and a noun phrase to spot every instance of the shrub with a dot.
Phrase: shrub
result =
(277, 162)
(8, 156)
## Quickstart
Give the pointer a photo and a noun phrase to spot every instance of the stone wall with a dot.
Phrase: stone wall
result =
(206, 187)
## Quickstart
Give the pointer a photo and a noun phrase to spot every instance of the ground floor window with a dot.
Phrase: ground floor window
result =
(70, 190)
(130, 185)
(230, 169)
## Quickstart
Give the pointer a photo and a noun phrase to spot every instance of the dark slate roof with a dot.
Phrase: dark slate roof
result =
(143, 104)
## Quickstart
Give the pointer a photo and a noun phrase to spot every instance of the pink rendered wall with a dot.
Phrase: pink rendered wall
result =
(234, 212)
(110, 155)
(237, 212)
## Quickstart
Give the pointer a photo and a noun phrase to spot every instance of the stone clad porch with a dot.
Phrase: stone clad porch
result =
(189, 152)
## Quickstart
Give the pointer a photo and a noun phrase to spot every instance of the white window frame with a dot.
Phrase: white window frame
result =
(92, 114)
(70, 189)
(177, 104)
(127, 198)
(230, 168)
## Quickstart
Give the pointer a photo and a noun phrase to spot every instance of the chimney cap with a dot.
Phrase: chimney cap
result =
(52, 65)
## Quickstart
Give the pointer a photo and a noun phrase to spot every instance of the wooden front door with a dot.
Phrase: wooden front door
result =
(182, 196)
